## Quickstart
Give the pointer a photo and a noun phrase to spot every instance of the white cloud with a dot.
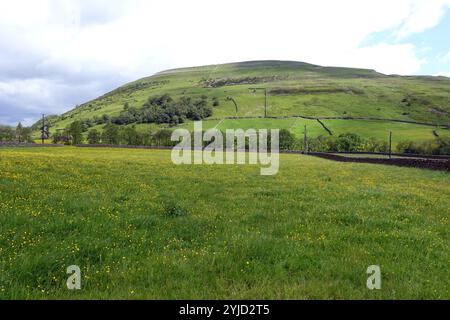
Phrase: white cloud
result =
(70, 51)
(445, 58)
(423, 15)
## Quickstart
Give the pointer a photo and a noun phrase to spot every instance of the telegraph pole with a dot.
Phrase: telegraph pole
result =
(43, 128)
(266, 99)
(265, 103)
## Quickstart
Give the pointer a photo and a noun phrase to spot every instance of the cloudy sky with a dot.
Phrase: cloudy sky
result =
(55, 54)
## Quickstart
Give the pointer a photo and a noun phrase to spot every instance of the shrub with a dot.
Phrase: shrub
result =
(57, 137)
(287, 140)
(374, 145)
(349, 142)
(433, 146)
(444, 146)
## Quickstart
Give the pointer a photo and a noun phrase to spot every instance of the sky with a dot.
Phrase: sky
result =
(56, 54)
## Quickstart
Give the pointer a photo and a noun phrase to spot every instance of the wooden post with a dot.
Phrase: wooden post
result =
(43, 128)
(265, 103)
(390, 144)
(305, 142)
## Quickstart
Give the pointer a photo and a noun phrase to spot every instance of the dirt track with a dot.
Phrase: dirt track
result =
(432, 164)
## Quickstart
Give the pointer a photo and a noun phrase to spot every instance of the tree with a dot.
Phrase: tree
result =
(350, 142)
(76, 131)
(162, 137)
(6, 133)
(19, 132)
(287, 140)
(131, 137)
(23, 134)
(57, 137)
(93, 136)
(26, 135)
(110, 134)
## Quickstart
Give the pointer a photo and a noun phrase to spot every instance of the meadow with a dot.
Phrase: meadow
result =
(294, 89)
(140, 227)
(365, 128)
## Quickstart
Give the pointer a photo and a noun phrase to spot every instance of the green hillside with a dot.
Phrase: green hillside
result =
(294, 89)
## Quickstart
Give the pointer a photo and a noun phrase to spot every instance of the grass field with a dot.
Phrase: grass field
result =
(141, 227)
(295, 88)
(365, 128)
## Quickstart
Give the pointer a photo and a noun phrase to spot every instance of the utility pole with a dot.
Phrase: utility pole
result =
(265, 103)
(43, 128)
(305, 142)
(390, 144)
(266, 99)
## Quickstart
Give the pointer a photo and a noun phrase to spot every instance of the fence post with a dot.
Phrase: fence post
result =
(265, 103)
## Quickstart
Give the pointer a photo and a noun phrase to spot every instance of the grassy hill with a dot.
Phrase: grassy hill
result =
(295, 89)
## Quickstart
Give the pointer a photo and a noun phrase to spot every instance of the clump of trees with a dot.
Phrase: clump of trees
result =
(164, 109)
(347, 142)
(20, 134)
(128, 135)
(73, 134)
(6, 133)
(438, 146)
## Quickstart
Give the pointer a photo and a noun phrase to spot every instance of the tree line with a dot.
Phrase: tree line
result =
(113, 134)
(20, 134)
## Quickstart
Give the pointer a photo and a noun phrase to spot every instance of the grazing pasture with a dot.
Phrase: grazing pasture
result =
(140, 227)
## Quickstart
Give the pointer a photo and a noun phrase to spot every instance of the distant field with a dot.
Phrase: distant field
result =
(296, 125)
(381, 129)
(365, 128)
(140, 227)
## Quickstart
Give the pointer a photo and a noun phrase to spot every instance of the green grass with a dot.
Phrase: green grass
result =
(330, 92)
(380, 130)
(296, 125)
(365, 128)
(140, 227)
